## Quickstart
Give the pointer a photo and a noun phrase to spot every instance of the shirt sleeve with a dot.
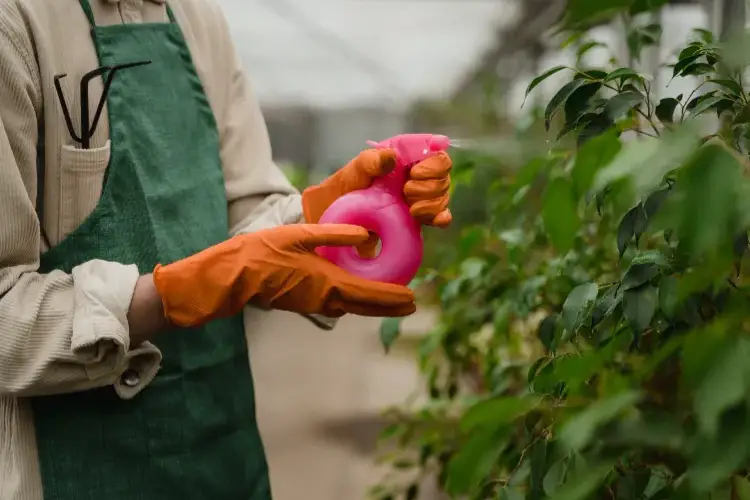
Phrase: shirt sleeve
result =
(59, 332)
(259, 194)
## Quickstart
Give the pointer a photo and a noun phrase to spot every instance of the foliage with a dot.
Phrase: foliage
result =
(593, 339)
(297, 175)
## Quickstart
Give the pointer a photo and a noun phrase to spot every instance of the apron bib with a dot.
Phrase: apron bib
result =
(192, 432)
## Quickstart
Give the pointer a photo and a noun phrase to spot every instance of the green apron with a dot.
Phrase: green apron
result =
(192, 433)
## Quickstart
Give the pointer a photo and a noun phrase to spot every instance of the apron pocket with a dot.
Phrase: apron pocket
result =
(81, 178)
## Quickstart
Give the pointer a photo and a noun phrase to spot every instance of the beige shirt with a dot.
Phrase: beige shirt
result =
(68, 332)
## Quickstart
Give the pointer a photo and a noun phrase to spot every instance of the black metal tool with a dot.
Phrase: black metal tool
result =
(89, 127)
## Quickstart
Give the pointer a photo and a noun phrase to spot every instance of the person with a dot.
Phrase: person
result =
(126, 263)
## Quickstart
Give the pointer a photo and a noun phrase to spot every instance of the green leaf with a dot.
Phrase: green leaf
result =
(578, 103)
(723, 386)
(640, 221)
(596, 125)
(560, 214)
(654, 257)
(538, 468)
(644, 163)
(584, 12)
(626, 231)
(654, 29)
(705, 35)
(390, 329)
(700, 349)
(695, 100)
(573, 370)
(472, 268)
(708, 208)
(391, 431)
(508, 493)
(474, 460)
(660, 479)
(635, 42)
(741, 487)
(572, 39)
(669, 295)
(558, 100)
(592, 156)
(539, 79)
(639, 306)
(622, 74)
(631, 484)
(547, 329)
(590, 75)
(705, 104)
(640, 6)
(587, 46)
(691, 49)
(531, 170)
(534, 370)
(578, 304)
(555, 477)
(577, 465)
(497, 412)
(650, 430)
(580, 429)
(684, 62)
(622, 103)
(697, 69)
(733, 86)
(606, 305)
(655, 201)
(716, 458)
(582, 486)
(569, 127)
(639, 274)
(726, 104)
(665, 109)
(741, 244)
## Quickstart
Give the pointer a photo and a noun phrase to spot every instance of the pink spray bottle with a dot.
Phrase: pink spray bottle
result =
(382, 209)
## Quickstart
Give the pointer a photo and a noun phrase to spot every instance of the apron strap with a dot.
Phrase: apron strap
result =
(170, 14)
(86, 6)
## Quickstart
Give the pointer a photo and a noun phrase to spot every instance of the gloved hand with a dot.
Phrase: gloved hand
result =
(275, 268)
(426, 191)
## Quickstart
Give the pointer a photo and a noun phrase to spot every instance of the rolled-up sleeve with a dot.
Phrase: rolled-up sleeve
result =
(59, 332)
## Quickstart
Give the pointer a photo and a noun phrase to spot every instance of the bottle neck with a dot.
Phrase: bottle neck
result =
(394, 182)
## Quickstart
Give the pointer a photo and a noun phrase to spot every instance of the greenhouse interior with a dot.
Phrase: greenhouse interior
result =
(375, 249)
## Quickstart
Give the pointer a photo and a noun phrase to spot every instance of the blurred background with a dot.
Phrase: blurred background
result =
(331, 74)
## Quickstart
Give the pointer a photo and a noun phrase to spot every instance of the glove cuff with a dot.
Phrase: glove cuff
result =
(315, 201)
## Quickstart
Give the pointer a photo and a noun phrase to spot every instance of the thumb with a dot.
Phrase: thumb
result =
(332, 235)
(372, 163)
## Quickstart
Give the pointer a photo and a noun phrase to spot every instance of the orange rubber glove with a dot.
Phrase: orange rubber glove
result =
(426, 191)
(275, 269)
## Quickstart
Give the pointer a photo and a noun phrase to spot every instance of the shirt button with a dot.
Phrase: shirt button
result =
(131, 378)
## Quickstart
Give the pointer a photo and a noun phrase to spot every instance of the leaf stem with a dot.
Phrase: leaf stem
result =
(638, 110)
(643, 132)
(690, 97)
